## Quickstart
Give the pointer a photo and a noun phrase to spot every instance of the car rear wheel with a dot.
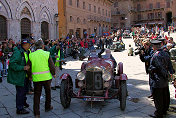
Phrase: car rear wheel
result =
(65, 93)
(123, 95)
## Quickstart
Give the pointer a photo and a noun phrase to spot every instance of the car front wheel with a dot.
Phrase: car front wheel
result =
(65, 93)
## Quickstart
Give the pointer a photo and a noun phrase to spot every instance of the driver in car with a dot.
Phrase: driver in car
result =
(109, 55)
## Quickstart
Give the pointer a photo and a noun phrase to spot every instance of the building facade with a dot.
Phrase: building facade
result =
(146, 12)
(121, 14)
(173, 6)
(86, 17)
(22, 18)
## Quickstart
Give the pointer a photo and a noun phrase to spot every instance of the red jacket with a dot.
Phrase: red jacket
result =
(93, 41)
(82, 44)
(86, 45)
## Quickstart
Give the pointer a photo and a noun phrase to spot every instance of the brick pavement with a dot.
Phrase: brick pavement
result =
(138, 89)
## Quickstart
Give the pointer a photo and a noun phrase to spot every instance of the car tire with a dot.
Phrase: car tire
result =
(120, 68)
(123, 95)
(65, 93)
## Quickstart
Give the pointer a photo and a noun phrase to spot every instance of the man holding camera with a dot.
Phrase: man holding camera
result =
(145, 55)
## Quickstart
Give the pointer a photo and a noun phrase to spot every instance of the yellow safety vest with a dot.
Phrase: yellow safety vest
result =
(40, 65)
(26, 58)
(57, 60)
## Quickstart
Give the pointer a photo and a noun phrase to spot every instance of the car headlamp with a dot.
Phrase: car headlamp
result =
(81, 76)
(106, 76)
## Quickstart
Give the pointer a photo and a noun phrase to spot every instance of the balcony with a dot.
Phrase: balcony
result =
(98, 19)
(115, 13)
(149, 19)
(146, 9)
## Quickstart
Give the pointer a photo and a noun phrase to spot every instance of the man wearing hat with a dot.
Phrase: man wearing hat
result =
(163, 43)
(159, 71)
(17, 75)
(145, 56)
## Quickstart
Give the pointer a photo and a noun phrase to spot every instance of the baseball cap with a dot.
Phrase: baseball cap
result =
(24, 41)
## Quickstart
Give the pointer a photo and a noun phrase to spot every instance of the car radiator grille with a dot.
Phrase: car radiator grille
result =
(94, 80)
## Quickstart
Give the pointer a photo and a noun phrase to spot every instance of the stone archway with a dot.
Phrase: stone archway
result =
(5, 16)
(45, 30)
(26, 16)
(5, 9)
(25, 28)
(46, 23)
(45, 15)
(3, 28)
(25, 10)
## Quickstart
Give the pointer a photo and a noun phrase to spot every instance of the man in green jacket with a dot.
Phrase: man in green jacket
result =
(17, 75)
(57, 55)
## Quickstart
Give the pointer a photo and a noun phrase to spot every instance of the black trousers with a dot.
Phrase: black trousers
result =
(161, 100)
(30, 85)
(37, 94)
(21, 92)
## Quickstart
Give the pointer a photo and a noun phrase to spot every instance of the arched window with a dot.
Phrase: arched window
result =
(99, 10)
(45, 30)
(77, 3)
(71, 19)
(78, 20)
(116, 4)
(70, 2)
(3, 28)
(25, 28)
(84, 21)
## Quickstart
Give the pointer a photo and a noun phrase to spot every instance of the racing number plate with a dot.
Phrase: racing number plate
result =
(93, 99)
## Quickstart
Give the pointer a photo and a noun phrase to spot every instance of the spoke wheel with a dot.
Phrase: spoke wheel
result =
(66, 90)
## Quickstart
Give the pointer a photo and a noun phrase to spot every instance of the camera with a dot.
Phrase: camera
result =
(138, 50)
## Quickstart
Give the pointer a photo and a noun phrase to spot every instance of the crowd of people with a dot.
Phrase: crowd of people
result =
(157, 51)
(74, 47)
(20, 63)
(21, 59)
(69, 47)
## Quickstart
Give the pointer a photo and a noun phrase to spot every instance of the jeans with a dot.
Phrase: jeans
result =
(21, 92)
(37, 94)
(56, 81)
(5, 67)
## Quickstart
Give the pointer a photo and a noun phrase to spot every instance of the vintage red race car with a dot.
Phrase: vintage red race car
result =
(98, 80)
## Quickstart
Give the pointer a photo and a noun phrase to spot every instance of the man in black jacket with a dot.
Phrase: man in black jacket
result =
(159, 70)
